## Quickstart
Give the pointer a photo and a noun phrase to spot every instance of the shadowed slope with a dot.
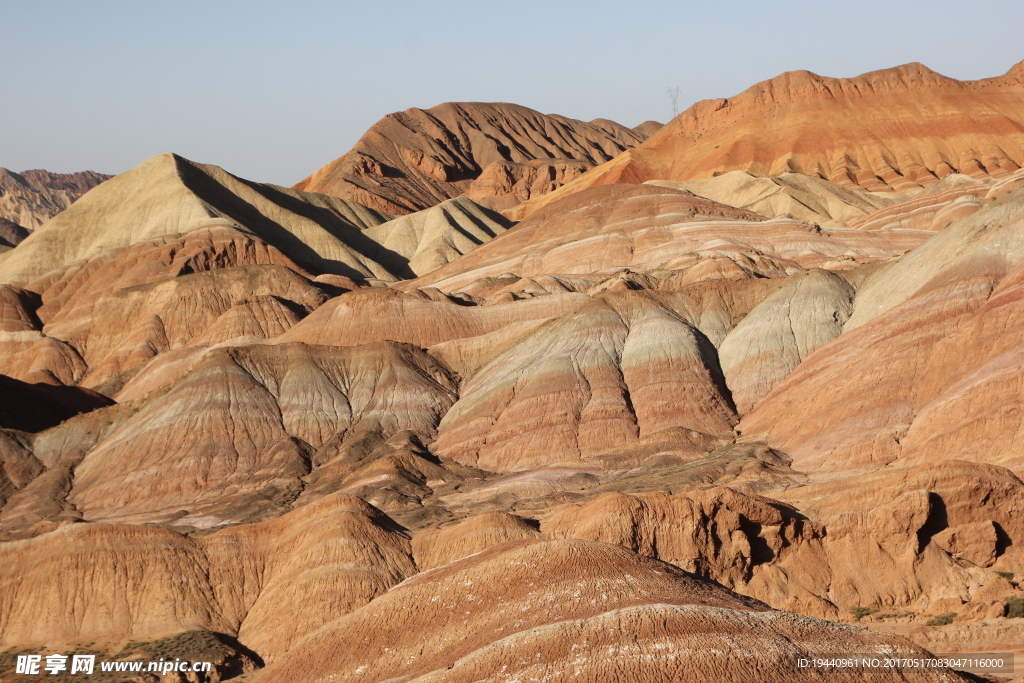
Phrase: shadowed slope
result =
(169, 195)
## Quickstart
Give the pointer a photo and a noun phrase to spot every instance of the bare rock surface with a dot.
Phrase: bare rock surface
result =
(117, 310)
(954, 197)
(646, 228)
(417, 158)
(568, 593)
(807, 312)
(909, 540)
(926, 363)
(896, 130)
(382, 313)
(171, 195)
(618, 369)
(504, 184)
(143, 583)
(30, 198)
(244, 415)
(790, 195)
(607, 442)
(418, 243)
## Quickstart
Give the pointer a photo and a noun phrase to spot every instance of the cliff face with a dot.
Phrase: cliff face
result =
(896, 130)
(500, 153)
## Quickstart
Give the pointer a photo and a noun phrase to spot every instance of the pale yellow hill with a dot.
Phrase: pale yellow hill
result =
(416, 244)
(791, 195)
(168, 195)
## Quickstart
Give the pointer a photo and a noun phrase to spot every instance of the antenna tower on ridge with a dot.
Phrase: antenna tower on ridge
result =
(673, 93)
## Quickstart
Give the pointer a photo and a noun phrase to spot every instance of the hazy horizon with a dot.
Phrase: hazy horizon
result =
(272, 94)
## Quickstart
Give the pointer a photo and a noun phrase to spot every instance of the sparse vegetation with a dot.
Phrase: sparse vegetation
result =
(1015, 607)
(859, 612)
(1006, 575)
(942, 619)
(288, 497)
(896, 615)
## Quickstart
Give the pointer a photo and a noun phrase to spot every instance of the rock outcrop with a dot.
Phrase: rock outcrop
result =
(618, 369)
(426, 240)
(806, 312)
(500, 153)
(954, 197)
(254, 419)
(94, 321)
(376, 314)
(142, 583)
(904, 540)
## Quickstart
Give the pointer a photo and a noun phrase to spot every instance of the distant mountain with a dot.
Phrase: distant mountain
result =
(30, 198)
(498, 154)
(893, 130)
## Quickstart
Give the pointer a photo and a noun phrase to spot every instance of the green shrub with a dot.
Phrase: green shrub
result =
(1006, 575)
(1014, 607)
(942, 619)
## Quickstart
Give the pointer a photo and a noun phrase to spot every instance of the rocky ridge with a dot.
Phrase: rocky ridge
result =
(893, 130)
(497, 154)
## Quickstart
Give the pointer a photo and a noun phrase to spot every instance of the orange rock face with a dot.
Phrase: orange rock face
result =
(503, 185)
(895, 129)
(302, 570)
(500, 153)
(572, 600)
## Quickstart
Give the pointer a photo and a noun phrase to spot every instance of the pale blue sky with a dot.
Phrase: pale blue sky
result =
(271, 91)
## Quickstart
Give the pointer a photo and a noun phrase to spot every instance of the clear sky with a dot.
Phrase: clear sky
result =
(271, 91)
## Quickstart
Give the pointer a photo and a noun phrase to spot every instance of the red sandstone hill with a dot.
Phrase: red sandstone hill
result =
(895, 129)
(498, 154)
